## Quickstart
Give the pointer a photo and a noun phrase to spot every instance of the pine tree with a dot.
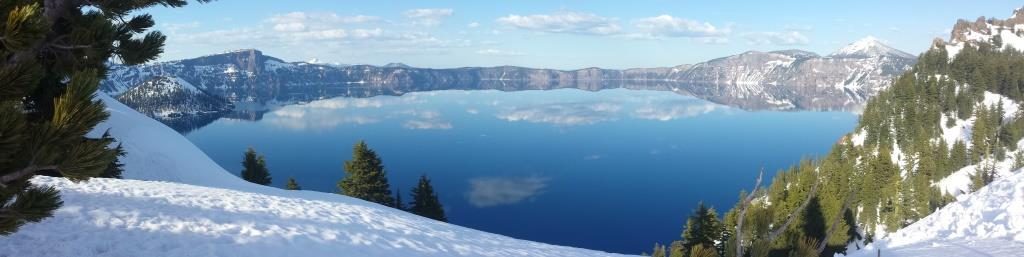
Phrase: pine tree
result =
(676, 249)
(292, 185)
(116, 168)
(702, 228)
(399, 204)
(254, 168)
(53, 55)
(365, 177)
(425, 202)
(659, 251)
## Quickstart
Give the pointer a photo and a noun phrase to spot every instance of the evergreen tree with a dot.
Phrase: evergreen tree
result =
(425, 202)
(53, 55)
(702, 228)
(399, 204)
(813, 221)
(254, 168)
(116, 168)
(958, 156)
(676, 249)
(365, 177)
(292, 185)
(659, 251)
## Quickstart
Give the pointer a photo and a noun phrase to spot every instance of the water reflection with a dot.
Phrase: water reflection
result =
(566, 114)
(494, 191)
(442, 110)
(674, 109)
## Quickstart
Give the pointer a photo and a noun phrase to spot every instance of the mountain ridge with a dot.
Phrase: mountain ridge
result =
(778, 80)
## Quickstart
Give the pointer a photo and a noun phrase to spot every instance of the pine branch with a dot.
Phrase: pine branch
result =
(72, 47)
(24, 172)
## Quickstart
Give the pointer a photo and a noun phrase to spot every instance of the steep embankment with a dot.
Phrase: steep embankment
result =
(190, 206)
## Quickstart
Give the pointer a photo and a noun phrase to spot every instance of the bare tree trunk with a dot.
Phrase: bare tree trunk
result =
(743, 214)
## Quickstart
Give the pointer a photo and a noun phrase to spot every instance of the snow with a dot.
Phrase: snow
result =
(869, 47)
(858, 138)
(175, 201)
(953, 49)
(959, 182)
(273, 65)
(989, 222)
(1010, 107)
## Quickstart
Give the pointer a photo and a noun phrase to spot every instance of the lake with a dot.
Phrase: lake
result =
(614, 170)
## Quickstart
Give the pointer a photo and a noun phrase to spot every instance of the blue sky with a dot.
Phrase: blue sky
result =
(566, 34)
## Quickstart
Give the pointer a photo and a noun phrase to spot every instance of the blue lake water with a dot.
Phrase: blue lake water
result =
(614, 170)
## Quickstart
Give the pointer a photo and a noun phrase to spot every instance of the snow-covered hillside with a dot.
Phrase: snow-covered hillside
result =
(989, 222)
(175, 201)
(986, 222)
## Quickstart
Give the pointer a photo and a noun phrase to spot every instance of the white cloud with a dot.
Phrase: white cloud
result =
(297, 26)
(366, 33)
(668, 26)
(488, 192)
(777, 38)
(302, 21)
(428, 17)
(570, 114)
(671, 110)
(175, 27)
(564, 22)
(303, 118)
(473, 25)
(425, 119)
(427, 124)
(496, 52)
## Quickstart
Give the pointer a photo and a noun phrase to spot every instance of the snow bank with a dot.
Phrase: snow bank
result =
(989, 222)
(193, 207)
(110, 217)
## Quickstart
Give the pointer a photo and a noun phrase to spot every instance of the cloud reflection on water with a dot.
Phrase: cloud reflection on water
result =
(496, 191)
(564, 114)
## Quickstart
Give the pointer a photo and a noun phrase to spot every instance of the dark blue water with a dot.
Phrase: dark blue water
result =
(614, 170)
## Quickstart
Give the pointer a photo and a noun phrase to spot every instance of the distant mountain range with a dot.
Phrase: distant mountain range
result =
(779, 80)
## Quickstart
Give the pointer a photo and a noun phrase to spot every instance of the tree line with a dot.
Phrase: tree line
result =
(365, 178)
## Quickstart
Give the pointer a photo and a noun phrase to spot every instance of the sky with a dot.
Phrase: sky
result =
(560, 34)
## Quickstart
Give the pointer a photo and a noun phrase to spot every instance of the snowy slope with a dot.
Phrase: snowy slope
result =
(989, 222)
(193, 207)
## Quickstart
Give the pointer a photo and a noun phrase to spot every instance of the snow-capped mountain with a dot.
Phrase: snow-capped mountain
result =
(176, 201)
(805, 80)
(175, 102)
(170, 97)
(869, 47)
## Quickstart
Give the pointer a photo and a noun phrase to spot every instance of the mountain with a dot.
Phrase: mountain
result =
(780, 80)
(172, 97)
(869, 47)
(853, 75)
(175, 201)
(175, 102)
